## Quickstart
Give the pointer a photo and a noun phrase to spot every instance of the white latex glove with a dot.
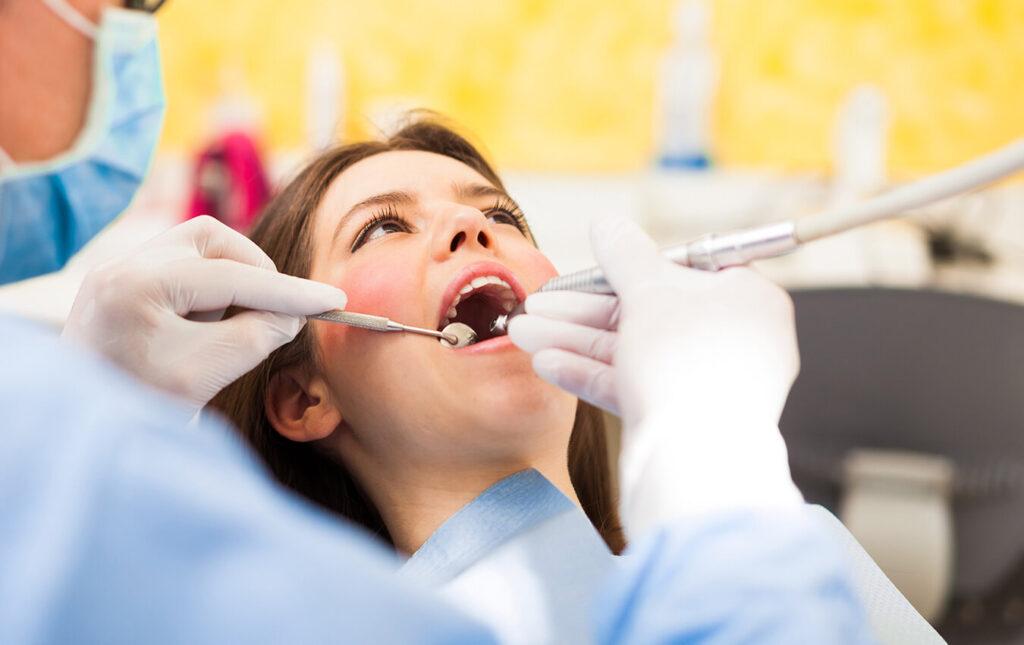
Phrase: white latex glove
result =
(136, 310)
(698, 364)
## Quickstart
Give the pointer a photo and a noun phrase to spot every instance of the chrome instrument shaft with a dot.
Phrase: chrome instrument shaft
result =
(377, 323)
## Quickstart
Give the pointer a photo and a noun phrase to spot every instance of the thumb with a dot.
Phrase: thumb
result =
(627, 255)
(232, 347)
(250, 336)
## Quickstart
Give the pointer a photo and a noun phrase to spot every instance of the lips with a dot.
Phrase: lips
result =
(477, 295)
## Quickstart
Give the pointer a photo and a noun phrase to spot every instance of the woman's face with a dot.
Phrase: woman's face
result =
(405, 234)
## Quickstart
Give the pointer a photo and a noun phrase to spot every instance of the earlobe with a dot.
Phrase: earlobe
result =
(300, 407)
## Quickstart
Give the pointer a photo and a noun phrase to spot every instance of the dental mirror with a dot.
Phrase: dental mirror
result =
(464, 333)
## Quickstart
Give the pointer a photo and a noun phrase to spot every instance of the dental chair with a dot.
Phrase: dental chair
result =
(907, 422)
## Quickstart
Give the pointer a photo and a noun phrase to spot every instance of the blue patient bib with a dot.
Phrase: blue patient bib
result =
(522, 558)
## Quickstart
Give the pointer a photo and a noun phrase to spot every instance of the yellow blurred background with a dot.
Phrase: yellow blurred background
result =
(569, 85)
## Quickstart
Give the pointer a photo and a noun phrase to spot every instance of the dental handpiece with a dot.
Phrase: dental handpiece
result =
(454, 335)
(709, 253)
(718, 251)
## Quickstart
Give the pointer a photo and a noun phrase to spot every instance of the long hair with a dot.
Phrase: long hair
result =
(284, 232)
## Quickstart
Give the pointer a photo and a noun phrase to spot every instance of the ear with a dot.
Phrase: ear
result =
(300, 407)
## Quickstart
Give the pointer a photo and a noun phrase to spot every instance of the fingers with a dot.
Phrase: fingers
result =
(228, 349)
(262, 332)
(207, 285)
(533, 334)
(590, 309)
(590, 380)
(626, 254)
(213, 239)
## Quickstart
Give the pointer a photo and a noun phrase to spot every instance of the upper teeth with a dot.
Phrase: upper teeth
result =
(476, 283)
(506, 295)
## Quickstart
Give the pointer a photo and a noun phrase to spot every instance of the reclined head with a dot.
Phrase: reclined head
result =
(418, 228)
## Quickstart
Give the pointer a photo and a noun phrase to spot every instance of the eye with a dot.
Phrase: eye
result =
(501, 216)
(380, 225)
(505, 211)
(382, 229)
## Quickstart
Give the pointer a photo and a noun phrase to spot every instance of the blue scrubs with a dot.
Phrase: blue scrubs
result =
(120, 525)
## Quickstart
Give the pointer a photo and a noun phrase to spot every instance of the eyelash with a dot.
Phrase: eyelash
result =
(506, 206)
(388, 214)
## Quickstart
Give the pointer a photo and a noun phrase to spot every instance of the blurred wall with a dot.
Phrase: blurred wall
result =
(569, 85)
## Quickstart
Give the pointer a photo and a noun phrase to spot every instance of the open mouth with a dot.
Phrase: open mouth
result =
(478, 297)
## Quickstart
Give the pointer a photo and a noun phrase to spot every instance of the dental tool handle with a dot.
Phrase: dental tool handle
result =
(715, 252)
(709, 253)
(973, 174)
(377, 323)
(363, 321)
(587, 280)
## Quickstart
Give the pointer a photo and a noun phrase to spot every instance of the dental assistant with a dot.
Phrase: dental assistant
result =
(119, 524)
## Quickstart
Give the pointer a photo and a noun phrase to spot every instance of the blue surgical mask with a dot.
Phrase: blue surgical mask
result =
(50, 209)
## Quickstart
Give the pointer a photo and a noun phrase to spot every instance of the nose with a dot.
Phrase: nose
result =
(463, 228)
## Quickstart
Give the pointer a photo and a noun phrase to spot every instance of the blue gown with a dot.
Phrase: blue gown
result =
(119, 524)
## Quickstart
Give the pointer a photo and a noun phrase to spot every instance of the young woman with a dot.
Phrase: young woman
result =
(495, 483)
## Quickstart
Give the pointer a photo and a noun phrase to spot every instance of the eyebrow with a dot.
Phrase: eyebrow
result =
(470, 191)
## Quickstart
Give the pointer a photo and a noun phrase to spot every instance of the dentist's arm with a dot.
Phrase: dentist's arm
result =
(156, 312)
(118, 525)
(699, 366)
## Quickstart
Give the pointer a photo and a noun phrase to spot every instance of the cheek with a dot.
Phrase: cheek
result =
(376, 288)
(534, 268)
(544, 266)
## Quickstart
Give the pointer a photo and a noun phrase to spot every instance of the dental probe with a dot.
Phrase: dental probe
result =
(718, 251)
(451, 336)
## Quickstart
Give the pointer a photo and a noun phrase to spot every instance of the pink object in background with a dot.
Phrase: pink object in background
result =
(229, 182)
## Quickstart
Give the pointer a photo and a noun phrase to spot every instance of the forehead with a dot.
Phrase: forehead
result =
(422, 174)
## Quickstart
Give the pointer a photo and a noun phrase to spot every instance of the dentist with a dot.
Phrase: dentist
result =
(119, 524)
(81, 107)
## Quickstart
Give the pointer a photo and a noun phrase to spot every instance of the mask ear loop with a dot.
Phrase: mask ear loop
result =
(5, 161)
(3, 216)
(73, 17)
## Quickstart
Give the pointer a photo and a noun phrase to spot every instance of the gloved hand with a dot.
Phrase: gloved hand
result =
(698, 364)
(157, 312)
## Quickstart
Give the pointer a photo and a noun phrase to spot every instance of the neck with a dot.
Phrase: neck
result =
(415, 501)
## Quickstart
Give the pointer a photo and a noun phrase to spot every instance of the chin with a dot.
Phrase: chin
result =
(523, 400)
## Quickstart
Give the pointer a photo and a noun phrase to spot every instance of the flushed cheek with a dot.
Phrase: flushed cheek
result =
(381, 290)
(536, 269)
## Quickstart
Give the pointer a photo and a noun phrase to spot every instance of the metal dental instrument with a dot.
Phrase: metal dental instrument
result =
(463, 333)
(721, 250)
(379, 323)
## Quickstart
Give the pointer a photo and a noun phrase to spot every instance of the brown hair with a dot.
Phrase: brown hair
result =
(284, 232)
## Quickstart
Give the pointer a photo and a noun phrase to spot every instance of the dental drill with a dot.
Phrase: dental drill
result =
(718, 251)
